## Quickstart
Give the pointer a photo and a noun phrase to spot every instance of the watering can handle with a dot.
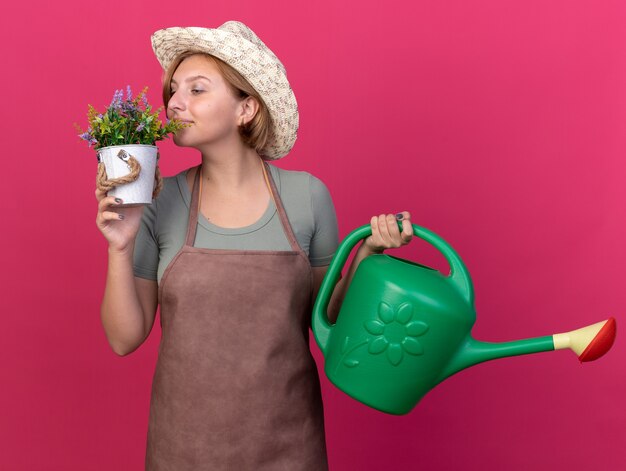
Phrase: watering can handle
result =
(320, 323)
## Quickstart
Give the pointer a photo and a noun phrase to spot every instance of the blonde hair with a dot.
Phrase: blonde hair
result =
(254, 133)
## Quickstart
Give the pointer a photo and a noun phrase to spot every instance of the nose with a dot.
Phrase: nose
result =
(175, 105)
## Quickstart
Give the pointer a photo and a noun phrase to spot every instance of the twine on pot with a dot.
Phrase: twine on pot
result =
(105, 184)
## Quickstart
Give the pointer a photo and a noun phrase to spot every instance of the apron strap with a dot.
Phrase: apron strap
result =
(269, 180)
(281, 210)
(193, 210)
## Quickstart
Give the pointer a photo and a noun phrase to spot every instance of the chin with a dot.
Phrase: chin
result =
(181, 141)
(185, 138)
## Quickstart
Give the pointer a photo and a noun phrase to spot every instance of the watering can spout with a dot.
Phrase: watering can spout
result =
(589, 343)
(473, 352)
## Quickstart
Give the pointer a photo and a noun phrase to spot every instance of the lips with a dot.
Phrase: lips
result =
(178, 118)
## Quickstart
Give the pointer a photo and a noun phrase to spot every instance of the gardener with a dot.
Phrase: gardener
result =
(234, 251)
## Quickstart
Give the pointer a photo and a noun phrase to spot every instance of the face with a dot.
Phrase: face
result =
(202, 97)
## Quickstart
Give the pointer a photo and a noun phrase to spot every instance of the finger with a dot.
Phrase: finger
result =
(407, 231)
(394, 230)
(384, 230)
(407, 227)
(374, 241)
(402, 216)
(111, 216)
(375, 229)
(100, 194)
(107, 202)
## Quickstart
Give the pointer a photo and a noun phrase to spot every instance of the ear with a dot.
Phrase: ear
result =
(249, 109)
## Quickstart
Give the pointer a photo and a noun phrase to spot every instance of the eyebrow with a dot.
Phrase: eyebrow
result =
(191, 79)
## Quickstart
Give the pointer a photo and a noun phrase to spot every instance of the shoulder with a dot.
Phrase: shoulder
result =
(173, 180)
(172, 186)
(307, 199)
(170, 197)
(299, 181)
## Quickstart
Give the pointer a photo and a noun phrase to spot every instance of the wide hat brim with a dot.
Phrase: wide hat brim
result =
(237, 45)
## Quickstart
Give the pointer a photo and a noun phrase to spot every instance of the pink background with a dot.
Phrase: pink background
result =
(498, 124)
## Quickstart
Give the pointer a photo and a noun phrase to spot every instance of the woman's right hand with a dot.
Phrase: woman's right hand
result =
(118, 225)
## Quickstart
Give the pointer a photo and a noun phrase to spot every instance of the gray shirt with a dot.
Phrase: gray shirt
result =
(309, 208)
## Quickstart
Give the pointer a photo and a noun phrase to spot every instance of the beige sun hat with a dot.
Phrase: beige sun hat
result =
(238, 46)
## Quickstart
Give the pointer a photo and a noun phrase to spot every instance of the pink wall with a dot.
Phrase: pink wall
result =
(499, 125)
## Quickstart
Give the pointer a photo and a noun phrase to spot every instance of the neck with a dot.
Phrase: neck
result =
(231, 168)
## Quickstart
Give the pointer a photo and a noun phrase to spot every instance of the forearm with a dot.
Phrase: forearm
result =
(122, 316)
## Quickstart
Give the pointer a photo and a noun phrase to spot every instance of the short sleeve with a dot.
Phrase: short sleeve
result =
(325, 232)
(146, 254)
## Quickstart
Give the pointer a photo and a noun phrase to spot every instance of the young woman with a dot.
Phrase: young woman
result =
(233, 251)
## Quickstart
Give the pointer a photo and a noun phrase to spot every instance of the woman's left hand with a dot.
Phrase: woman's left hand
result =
(386, 234)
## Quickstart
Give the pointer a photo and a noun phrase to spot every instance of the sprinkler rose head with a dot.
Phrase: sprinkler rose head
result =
(601, 343)
(590, 342)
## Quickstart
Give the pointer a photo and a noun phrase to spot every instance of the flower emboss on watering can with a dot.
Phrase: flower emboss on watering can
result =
(393, 333)
(404, 327)
(396, 332)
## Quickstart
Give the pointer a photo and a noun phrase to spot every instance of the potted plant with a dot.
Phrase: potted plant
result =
(124, 138)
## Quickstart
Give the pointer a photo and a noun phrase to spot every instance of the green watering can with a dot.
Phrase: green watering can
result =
(404, 327)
